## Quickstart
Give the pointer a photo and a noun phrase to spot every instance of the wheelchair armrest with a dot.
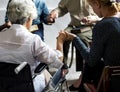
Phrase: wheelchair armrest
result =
(40, 68)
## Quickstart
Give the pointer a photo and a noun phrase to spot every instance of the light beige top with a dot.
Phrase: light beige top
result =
(77, 9)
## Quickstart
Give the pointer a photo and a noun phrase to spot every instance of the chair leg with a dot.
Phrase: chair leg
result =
(89, 87)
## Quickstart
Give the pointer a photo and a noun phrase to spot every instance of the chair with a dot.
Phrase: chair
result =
(109, 81)
(19, 81)
(18, 77)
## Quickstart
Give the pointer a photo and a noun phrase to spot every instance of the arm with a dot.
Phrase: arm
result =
(44, 11)
(92, 18)
(60, 40)
(43, 53)
(6, 25)
(94, 54)
(60, 11)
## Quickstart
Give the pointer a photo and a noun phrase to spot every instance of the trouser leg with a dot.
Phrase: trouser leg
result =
(40, 33)
(79, 61)
(66, 47)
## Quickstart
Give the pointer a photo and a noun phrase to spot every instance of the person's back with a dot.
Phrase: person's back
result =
(19, 45)
(13, 45)
(107, 36)
(105, 46)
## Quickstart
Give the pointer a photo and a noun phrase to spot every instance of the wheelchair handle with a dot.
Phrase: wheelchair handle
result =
(20, 67)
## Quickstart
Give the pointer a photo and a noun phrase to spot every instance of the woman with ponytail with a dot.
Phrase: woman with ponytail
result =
(105, 47)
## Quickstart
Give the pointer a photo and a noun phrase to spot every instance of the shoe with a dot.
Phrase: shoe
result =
(72, 88)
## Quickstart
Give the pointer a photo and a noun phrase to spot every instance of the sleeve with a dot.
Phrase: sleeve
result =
(92, 13)
(43, 53)
(93, 55)
(97, 47)
(45, 12)
(101, 34)
(62, 8)
(81, 47)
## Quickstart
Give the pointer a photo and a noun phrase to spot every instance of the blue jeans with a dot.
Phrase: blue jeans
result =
(40, 31)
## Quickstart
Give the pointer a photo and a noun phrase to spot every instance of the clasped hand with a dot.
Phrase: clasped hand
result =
(64, 36)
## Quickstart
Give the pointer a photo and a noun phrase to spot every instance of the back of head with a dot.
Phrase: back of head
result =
(18, 11)
(113, 6)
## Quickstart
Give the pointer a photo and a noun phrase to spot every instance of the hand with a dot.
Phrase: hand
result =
(8, 24)
(50, 19)
(52, 16)
(88, 20)
(63, 35)
(70, 36)
(64, 70)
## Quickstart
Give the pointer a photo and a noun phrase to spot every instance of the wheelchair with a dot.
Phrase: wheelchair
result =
(18, 78)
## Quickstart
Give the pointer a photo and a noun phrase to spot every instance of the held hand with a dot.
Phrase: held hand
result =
(70, 36)
(63, 35)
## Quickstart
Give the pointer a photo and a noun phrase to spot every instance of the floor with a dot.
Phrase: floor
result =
(73, 75)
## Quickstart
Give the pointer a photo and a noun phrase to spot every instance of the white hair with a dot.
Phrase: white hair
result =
(19, 11)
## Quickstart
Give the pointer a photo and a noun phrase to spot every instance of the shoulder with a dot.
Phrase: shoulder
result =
(65, 2)
(40, 3)
(106, 26)
(108, 22)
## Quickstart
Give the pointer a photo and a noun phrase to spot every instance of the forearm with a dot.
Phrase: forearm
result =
(81, 47)
(59, 47)
(4, 26)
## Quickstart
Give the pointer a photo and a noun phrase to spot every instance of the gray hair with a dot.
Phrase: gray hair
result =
(19, 11)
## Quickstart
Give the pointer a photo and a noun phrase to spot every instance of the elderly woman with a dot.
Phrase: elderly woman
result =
(17, 44)
(105, 47)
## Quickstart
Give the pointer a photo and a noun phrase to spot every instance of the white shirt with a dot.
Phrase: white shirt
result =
(17, 45)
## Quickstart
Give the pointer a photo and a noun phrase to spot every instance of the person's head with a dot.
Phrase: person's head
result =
(20, 11)
(104, 8)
